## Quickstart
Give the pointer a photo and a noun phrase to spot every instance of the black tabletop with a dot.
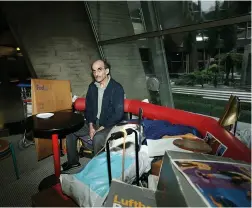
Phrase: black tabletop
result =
(61, 123)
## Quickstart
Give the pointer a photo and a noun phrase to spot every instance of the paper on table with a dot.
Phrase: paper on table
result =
(159, 146)
(74, 98)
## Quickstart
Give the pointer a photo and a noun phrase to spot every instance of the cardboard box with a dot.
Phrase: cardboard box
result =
(126, 195)
(173, 188)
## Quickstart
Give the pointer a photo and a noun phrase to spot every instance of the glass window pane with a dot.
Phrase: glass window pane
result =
(111, 19)
(206, 66)
(117, 19)
(136, 16)
(192, 12)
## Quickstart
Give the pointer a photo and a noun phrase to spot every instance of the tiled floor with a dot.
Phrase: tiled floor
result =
(16, 193)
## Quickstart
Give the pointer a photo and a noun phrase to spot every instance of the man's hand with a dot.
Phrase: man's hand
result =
(91, 131)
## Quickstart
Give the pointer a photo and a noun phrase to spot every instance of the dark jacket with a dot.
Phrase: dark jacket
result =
(112, 104)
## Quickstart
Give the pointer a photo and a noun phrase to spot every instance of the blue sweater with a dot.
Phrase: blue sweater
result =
(112, 104)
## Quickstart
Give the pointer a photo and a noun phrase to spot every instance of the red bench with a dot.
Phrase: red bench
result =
(236, 149)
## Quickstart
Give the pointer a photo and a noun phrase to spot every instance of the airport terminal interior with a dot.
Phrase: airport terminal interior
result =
(185, 67)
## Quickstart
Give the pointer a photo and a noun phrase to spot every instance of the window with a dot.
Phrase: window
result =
(208, 66)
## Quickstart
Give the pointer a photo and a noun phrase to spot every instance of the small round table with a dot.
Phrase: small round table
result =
(55, 127)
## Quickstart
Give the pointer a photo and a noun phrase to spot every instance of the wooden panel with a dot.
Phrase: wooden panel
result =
(43, 148)
(49, 96)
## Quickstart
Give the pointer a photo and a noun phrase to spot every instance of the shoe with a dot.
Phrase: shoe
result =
(66, 166)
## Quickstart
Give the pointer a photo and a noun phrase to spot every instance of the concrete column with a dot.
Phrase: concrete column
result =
(158, 55)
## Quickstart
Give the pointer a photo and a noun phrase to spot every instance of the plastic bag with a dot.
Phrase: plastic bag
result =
(89, 187)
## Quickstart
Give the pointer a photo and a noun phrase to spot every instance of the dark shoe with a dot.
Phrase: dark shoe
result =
(66, 166)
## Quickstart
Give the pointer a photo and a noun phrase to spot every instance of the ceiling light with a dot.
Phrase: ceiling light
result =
(200, 38)
(18, 49)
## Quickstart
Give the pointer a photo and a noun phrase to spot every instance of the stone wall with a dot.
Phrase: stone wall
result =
(58, 39)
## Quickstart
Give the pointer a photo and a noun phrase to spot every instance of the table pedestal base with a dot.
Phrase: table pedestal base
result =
(52, 197)
(48, 182)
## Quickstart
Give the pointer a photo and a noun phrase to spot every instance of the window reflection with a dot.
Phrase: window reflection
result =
(208, 6)
(136, 16)
(214, 60)
(204, 66)
(196, 11)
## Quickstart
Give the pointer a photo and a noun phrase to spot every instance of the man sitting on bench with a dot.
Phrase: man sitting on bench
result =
(104, 109)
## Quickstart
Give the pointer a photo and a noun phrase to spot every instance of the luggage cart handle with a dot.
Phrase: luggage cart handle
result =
(118, 135)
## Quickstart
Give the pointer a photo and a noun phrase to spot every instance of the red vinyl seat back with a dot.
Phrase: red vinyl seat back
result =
(236, 149)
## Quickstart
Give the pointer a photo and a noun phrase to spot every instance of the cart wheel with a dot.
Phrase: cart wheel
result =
(21, 145)
(24, 143)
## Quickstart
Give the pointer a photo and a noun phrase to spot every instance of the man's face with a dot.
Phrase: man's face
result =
(99, 71)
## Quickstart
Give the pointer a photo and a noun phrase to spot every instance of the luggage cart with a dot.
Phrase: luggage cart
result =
(27, 138)
(138, 143)
(118, 135)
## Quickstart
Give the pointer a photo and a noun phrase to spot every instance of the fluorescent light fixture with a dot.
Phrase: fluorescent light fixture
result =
(18, 49)
(200, 38)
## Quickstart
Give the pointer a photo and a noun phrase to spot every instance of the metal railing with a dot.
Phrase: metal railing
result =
(221, 94)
